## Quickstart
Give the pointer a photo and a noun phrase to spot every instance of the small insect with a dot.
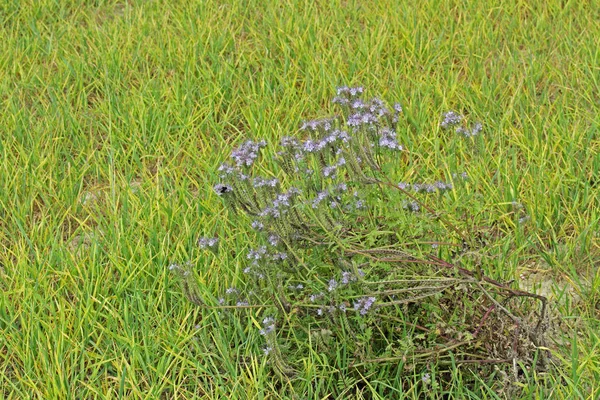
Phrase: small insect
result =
(222, 189)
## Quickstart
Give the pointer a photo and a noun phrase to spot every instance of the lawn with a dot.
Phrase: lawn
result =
(116, 114)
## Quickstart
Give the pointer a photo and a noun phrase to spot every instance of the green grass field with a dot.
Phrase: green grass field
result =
(115, 115)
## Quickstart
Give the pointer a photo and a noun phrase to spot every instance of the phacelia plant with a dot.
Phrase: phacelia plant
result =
(344, 255)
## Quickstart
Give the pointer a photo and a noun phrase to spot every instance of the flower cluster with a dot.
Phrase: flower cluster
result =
(452, 119)
(245, 155)
(364, 304)
(268, 326)
(388, 138)
(427, 188)
(468, 133)
(208, 243)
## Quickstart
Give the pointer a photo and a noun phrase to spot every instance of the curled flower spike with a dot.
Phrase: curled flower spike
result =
(364, 304)
(320, 197)
(451, 119)
(231, 290)
(388, 139)
(347, 277)
(247, 153)
(208, 243)
(274, 240)
(412, 206)
(226, 169)
(268, 326)
(315, 297)
(332, 285)
(257, 225)
(259, 182)
(256, 254)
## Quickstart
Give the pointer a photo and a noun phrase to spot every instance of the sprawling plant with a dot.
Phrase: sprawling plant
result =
(344, 256)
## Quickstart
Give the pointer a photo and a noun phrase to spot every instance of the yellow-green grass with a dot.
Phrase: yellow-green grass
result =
(115, 114)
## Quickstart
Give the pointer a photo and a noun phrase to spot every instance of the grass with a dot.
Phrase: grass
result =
(115, 115)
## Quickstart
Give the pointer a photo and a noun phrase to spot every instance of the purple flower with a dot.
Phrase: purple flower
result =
(268, 326)
(442, 186)
(270, 211)
(256, 254)
(462, 175)
(412, 206)
(364, 304)
(347, 277)
(426, 378)
(290, 142)
(462, 131)
(324, 124)
(358, 119)
(378, 108)
(329, 171)
(259, 182)
(280, 204)
(388, 139)
(340, 100)
(332, 285)
(309, 146)
(208, 243)
(273, 240)
(358, 104)
(226, 169)
(279, 256)
(342, 187)
(451, 119)
(341, 135)
(320, 197)
(315, 297)
(343, 90)
(257, 225)
(475, 130)
(231, 290)
(245, 154)
(355, 90)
